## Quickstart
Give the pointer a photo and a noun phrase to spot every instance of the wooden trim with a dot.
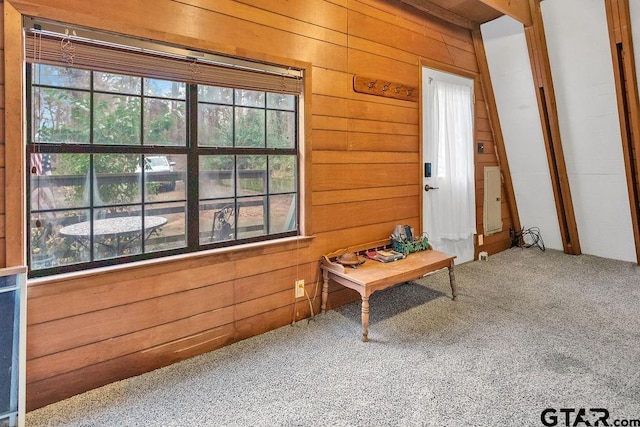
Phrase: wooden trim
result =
(624, 71)
(442, 13)
(517, 9)
(496, 129)
(447, 68)
(545, 94)
(14, 135)
(305, 155)
(440, 66)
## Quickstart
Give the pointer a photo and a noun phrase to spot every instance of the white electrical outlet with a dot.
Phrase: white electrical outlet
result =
(299, 288)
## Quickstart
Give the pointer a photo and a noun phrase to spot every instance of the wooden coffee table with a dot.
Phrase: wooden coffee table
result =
(374, 276)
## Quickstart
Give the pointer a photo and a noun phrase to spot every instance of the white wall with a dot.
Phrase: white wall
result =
(634, 12)
(515, 95)
(582, 71)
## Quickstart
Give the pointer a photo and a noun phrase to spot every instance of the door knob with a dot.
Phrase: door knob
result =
(428, 187)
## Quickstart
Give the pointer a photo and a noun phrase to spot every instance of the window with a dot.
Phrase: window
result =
(127, 163)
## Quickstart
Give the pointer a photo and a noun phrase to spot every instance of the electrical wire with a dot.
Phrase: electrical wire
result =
(527, 238)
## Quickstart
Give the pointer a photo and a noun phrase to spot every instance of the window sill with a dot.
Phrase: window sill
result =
(213, 255)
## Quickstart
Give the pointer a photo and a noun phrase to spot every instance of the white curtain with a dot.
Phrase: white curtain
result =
(451, 213)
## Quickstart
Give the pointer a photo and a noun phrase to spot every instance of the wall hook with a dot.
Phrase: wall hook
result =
(386, 88)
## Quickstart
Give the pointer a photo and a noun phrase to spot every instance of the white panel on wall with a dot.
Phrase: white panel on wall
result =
(515, 95)
(492, 207)
(582, 71)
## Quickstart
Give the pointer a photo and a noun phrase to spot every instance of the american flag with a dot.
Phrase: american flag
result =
(42, 198)
(41, 163)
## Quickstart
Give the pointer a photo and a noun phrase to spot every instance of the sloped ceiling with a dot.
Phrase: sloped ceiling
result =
(473, 10)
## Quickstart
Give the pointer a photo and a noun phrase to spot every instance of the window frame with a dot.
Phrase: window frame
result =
(193, 152)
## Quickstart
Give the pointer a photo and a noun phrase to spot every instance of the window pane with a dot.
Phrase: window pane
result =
(217, 221)
(251, 217)
(58, 181)
(281, 129)
(116, 119)
(119, 83)
(281, 101)
(216, 177)
(252, 175)
(164, 122)
(51, 245)
(116, 180)
(214, 94)
(60, 115)
(215, 125)
(49, 75)
(282, 213)
(116, 234)
(249, 127)
(165, 226)
(164, 88)
(164, 177)
(282, 174)
(250, 98)
(42, 235)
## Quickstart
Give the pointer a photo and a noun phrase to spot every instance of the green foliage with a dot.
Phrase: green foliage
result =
(63, 116)
(116, 120)
(249, 127)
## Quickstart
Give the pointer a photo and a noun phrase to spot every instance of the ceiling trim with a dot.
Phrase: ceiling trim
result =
(517, 9)
(450, 10)
(442, 13)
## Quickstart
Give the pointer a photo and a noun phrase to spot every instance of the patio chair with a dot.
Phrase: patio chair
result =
(222, 227)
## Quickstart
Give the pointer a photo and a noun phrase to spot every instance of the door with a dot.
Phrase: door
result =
(449, 215)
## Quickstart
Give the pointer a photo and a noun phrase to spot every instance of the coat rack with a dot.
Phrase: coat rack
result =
(380, 87)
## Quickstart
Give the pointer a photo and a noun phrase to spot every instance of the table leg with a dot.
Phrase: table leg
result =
(365, 319)
(325, 290)
(452, 282)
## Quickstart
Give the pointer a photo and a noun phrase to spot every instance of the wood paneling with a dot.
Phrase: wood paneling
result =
(362, 194)
(350, 176)
(13, 198)
(362, 173)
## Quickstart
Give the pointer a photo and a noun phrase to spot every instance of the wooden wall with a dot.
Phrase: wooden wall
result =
(363, 176)
(2, 149)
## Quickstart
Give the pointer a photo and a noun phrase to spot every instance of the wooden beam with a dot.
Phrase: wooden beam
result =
(517, 9)
(496, 129)
(624, 71)
(545, 94)
(442, 13)
(14, 126)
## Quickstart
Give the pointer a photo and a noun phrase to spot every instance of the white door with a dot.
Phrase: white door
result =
(449, 214)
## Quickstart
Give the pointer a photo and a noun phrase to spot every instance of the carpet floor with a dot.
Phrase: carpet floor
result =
(530, 330)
